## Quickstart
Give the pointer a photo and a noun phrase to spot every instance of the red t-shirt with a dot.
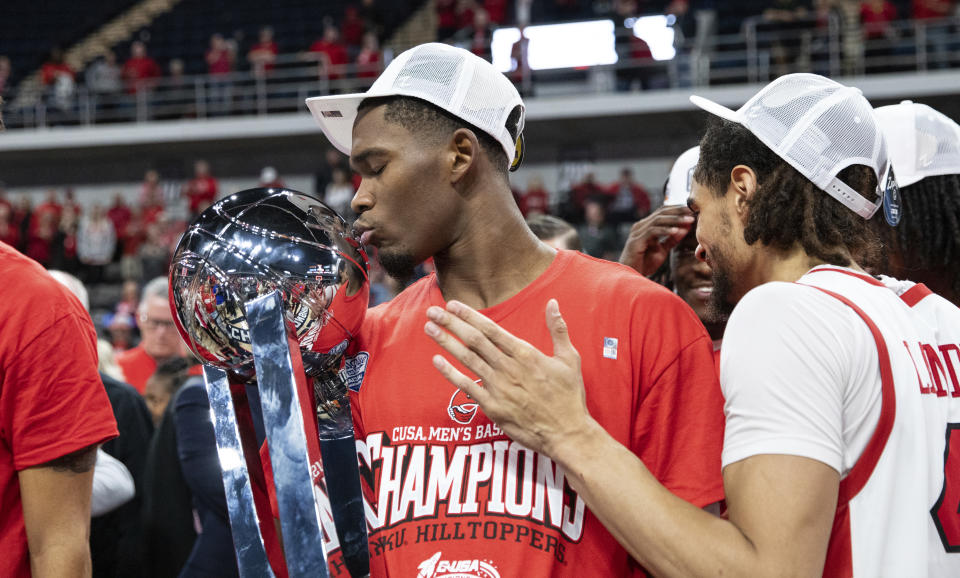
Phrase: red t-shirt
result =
(336, 55)
(137, 366)
(52, 401)
(201, 192)
(50, 71)
(138, 70)
(451, 493)
(535, 201)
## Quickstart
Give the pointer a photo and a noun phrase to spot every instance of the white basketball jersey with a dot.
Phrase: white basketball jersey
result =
(895, 515)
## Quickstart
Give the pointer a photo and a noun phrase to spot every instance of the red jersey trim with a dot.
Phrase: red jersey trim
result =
(861, 276)
(839, 553)
(915, 294)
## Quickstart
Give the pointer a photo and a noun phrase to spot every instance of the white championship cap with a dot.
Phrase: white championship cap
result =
(453, 79)
(681, 178)
(922, 142)
(819, 127)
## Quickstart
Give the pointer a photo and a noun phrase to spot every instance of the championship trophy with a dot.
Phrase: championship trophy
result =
(268, 288)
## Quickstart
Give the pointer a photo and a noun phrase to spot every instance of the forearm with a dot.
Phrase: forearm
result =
(64, 558)
(665, 534)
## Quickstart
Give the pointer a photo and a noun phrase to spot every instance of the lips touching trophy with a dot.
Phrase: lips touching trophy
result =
(268, 288)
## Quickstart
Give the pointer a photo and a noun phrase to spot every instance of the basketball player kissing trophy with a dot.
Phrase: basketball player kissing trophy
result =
(268, 287)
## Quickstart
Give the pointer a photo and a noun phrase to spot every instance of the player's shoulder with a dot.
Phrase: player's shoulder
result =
(415, 296)
(30, 291)
(777, 307)
(599, 276)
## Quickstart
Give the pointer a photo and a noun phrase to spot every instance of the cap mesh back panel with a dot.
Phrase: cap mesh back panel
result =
(433, 74)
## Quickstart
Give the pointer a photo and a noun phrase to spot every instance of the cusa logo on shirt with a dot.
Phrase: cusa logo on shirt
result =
(434, 567)
(462, 409)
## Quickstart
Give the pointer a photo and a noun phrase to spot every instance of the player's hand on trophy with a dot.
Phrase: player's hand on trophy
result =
(652, 237)
(536, 399)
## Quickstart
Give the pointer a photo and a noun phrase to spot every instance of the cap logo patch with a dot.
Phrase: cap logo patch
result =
(331, 113)
(518, 155)
(892, 209)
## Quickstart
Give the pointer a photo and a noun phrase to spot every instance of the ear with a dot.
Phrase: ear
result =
(743, 185)
(464, 152)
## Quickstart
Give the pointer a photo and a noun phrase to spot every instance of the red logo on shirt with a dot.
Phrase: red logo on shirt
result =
(434, 567)
(462, 408)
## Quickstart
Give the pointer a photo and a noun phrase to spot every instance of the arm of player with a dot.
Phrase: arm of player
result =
(780, 507)
(56, 514)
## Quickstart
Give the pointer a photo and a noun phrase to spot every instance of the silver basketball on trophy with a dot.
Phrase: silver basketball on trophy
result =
(261, 240)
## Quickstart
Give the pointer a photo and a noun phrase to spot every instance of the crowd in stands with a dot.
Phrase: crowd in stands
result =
(350, 46)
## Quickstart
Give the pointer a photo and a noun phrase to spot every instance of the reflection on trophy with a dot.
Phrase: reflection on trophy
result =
(268, 288)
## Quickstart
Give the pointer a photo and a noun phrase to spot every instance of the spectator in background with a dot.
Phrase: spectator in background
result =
(96, 243)
(352, 28)
(339, 193)
(64, 248)
(169, 527)
(369, 60)
(51, 204)
(163, 385)
(213, 552)
(629, 200)
(465, 10)
(119, 327)
(201, 190)
(58, 79)
(40, 240)
(372, 17)
(938, 29)
(159, 338)
(478, 36)
(331, 160)
(581, 192)
(263, 54)
(270, 178)
(104, 79)
(330, 54)
(120, 215)
(23, 218)
(634, 53)
(154, 252)
(9, 231)
(536, 201)
(555, 232)
(139, 71)
(497, 11)
(598, 237)
(5, 69)
(446, 18)
(876, 17)
(219, 58)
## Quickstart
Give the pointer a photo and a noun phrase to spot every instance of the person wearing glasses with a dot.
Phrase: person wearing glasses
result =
(159, 338)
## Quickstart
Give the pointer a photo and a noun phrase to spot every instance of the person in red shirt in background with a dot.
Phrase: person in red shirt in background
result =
(51, 204)
(536, 201)
(139, 70)
(369, 60)
(497, 11)
(159, 338)
(629, 201)
(220, 58)
(352, 27)
(263, 54)
(120, 215)
(446, 18)
(938, 31)
(201, 190)
(9, 231)
(478, 36)
(329, 53)
(55, 67)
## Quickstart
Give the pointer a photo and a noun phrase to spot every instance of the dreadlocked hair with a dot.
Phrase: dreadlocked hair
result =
(928, 236)
(787, 208)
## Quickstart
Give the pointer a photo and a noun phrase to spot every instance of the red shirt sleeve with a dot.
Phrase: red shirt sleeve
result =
(679, 427)
(54, 402)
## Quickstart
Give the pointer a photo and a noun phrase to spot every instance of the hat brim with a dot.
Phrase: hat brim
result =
(336, 115)
(714, 108)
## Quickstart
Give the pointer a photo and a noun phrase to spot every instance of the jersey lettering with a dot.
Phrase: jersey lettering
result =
(500, 477)
(946, 512)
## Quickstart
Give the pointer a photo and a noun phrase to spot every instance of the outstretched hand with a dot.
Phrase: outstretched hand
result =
(652, 237)
(537, 400)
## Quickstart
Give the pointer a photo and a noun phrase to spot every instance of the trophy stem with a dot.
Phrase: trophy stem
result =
(247, 539)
